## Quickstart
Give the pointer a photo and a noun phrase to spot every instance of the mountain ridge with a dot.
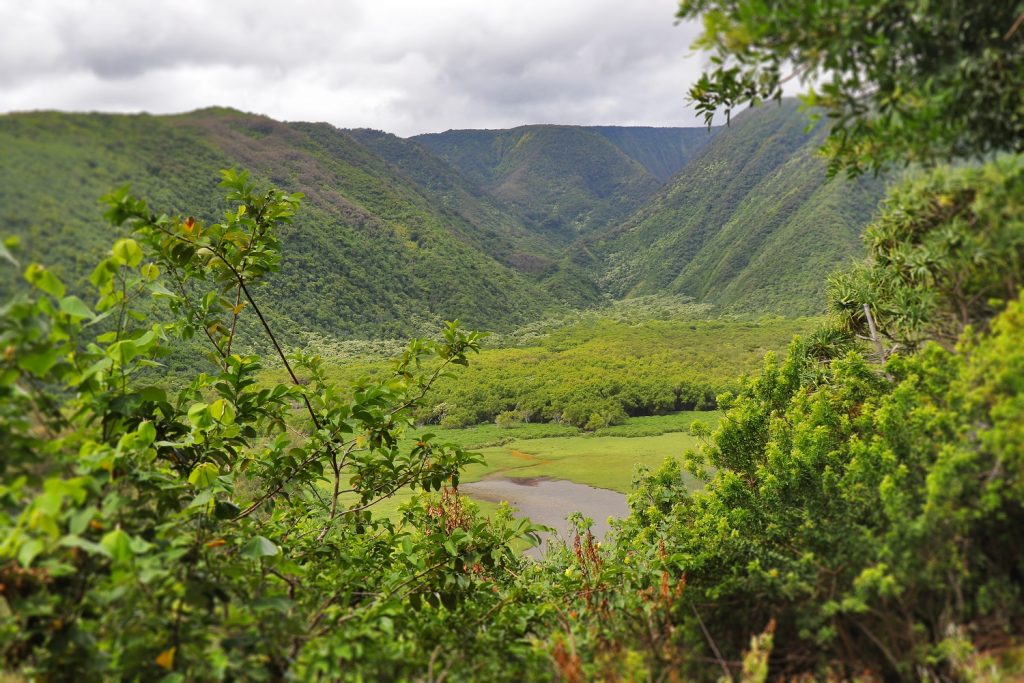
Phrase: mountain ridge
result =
(393, 235)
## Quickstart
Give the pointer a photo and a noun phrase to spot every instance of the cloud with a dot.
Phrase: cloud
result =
(406, 66)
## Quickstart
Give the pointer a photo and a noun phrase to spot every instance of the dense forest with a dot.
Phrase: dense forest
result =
(219, 464)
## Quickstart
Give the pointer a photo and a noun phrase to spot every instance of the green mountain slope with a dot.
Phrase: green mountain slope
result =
(485, 221)
(561, 181)
(751, 224)
(662, 151)
(369, 255)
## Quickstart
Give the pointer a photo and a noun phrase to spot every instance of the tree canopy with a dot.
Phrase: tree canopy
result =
(902, 80)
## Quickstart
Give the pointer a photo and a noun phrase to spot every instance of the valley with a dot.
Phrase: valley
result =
(627, 275)
(501, 398)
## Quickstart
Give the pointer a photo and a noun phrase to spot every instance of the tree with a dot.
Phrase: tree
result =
(902, 80)
(946, 252)
(225, 530)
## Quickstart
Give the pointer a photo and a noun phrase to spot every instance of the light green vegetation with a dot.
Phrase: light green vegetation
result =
(607, 462)
(649, 356)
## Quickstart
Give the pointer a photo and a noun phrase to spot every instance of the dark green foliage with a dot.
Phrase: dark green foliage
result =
(646, 356)
(870, 518)
(865, 516)
(483, 220)
(750, 224)
(901, 81)
(388, 223)
(198, 535)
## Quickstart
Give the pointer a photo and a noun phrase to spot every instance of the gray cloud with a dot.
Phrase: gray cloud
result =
(405, 66)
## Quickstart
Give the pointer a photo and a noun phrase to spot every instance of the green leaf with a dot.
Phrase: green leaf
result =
(75, 541)
(147, 433)
(6, 255)
(150, 271)
(259, 547)
(118, 544)
(123, 351)
(75, 307)
(42, 279)
(199, 415)
(39, 362)
(127, 252)
(29, 550)
(222, 411)
(204, 476)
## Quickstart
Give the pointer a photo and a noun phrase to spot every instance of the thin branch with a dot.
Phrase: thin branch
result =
(234, 320)
(1016, 25)
(711, 642)
(273, 339)
(874, 333)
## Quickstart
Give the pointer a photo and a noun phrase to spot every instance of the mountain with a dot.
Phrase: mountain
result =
(369, 254)
(662, 151)
(563, 182)
(751, 224)
(493, 227)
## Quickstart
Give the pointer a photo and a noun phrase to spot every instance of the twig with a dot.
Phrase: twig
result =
(1016, 25)
(711, 642)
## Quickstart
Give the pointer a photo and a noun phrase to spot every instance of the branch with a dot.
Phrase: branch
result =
(1016, 25)
(711, 642)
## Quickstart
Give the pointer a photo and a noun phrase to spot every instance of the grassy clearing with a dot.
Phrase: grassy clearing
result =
(606, 459)
(607, 462)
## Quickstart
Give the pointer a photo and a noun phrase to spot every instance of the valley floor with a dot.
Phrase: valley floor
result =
(599, 465)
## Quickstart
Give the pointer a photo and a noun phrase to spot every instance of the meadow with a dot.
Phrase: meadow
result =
(608, 458)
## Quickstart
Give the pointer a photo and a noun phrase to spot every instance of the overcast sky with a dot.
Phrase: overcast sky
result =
(405, 66)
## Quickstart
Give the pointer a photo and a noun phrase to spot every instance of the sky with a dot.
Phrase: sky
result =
(404, 66)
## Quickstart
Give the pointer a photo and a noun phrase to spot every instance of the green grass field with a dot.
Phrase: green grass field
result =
(607, 458)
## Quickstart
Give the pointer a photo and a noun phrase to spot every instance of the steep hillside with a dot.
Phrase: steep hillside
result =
(483, 220)
(370, 254)
(561, 181)
(751, 224)
(662, 151)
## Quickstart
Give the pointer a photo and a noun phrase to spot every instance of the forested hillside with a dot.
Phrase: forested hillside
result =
(498, 230)
(751, 224)
(532, 219)
(562, 181)
(370, 255)
(662, 151)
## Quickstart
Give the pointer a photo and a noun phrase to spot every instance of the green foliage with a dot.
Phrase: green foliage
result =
(397, 235)
(945, 253)
(371, 255)
(750, 225)
(645, 357)
(662, 151)
(867, 514)
(196, 534)
(561, 181)
(901, 81)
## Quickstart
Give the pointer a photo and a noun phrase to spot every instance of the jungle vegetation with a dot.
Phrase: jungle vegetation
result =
(861, 499)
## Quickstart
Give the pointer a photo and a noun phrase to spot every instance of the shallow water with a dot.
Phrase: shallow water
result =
(549, 502)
